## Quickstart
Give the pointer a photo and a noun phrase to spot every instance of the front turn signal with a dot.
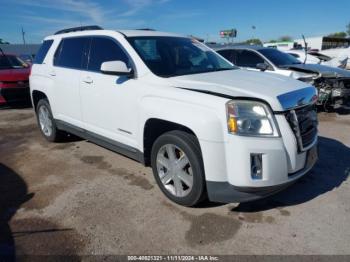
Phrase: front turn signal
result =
(232, 125)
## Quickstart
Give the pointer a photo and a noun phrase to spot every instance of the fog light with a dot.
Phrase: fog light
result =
(256, 166)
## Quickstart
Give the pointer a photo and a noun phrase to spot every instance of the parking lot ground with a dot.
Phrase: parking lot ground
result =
(78, 198)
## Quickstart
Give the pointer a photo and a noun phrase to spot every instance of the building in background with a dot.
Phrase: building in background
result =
(315, 43)
(325, 42)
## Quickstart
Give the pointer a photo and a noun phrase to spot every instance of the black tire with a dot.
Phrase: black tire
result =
(189, 144)
(56, 134)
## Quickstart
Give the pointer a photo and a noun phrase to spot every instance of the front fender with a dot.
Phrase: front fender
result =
(204, 121)
(208, 124)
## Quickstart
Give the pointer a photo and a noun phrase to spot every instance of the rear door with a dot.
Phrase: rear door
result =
(68, 62)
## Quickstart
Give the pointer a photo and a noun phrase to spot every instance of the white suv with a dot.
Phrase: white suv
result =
(206, 127)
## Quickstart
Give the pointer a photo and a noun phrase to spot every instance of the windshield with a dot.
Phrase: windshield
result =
(11, 62)
(175, 56)
(279, 58)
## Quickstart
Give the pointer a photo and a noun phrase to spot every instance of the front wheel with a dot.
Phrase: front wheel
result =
(178, 167)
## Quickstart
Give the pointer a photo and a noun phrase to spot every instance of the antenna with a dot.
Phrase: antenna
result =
(23, 33)
(305, 47)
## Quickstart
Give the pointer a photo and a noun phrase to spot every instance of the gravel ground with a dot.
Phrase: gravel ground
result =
(78, 198)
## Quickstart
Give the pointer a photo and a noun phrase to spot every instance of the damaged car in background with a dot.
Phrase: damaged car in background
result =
(333, 83)
(314, 57)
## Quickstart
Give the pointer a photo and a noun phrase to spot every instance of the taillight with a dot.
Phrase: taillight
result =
(2, 100)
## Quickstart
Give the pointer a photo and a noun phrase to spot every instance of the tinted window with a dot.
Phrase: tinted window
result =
(173, 56)
(227, 54)
(247, 58)
(11, 62)
(279, 58)
(44, 48)
(103, 50)
(71, 51)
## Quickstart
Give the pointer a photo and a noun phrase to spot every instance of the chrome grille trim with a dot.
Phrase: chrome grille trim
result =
(294, 122)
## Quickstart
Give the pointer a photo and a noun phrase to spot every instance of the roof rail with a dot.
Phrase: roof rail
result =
(79, 28)
(146, 29)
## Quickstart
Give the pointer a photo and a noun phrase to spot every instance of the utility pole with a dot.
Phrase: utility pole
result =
(24, 40)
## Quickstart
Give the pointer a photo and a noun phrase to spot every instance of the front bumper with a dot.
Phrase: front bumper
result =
(224, 192)
(228, 166)
(11, 95)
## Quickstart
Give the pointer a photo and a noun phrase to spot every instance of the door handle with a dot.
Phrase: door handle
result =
(88, 80)
(52, 73)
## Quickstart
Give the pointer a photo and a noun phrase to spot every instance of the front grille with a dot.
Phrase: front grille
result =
(303, 122)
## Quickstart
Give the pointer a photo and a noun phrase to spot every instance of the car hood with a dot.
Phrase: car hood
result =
(326, 71)
(10, 75)
(242, 83)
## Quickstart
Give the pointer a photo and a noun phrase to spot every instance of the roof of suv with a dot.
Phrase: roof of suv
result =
(127, 33)
(132, 33)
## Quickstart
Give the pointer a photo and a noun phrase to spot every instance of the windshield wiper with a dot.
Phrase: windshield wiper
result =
(223, 69)
(200, 72)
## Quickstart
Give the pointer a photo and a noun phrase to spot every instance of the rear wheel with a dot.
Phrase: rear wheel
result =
(47, 123)
(178, 167)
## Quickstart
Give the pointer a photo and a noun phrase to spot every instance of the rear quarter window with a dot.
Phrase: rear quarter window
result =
(44, 48)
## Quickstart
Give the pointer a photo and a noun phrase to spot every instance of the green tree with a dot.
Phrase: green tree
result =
(338, 35)
(253, 41)
(348, 29)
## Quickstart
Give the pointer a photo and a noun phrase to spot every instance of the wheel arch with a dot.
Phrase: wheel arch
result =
(154, 128)
(37, 96)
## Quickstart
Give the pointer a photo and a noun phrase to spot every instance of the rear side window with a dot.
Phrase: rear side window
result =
(103, 50)
(44, 48)
(71, 52)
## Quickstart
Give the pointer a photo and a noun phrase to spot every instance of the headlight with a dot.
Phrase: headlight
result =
(250, 118)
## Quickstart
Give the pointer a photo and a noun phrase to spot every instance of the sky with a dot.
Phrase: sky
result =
(202, 18)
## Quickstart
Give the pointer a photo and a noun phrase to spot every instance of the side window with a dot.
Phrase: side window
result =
(227, 54)
(247, 58)
(234, 56)
(44, 48)
(103, 50)
(70, 52)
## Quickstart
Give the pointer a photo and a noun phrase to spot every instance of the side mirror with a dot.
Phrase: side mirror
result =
(116, 68)
(262, 66)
